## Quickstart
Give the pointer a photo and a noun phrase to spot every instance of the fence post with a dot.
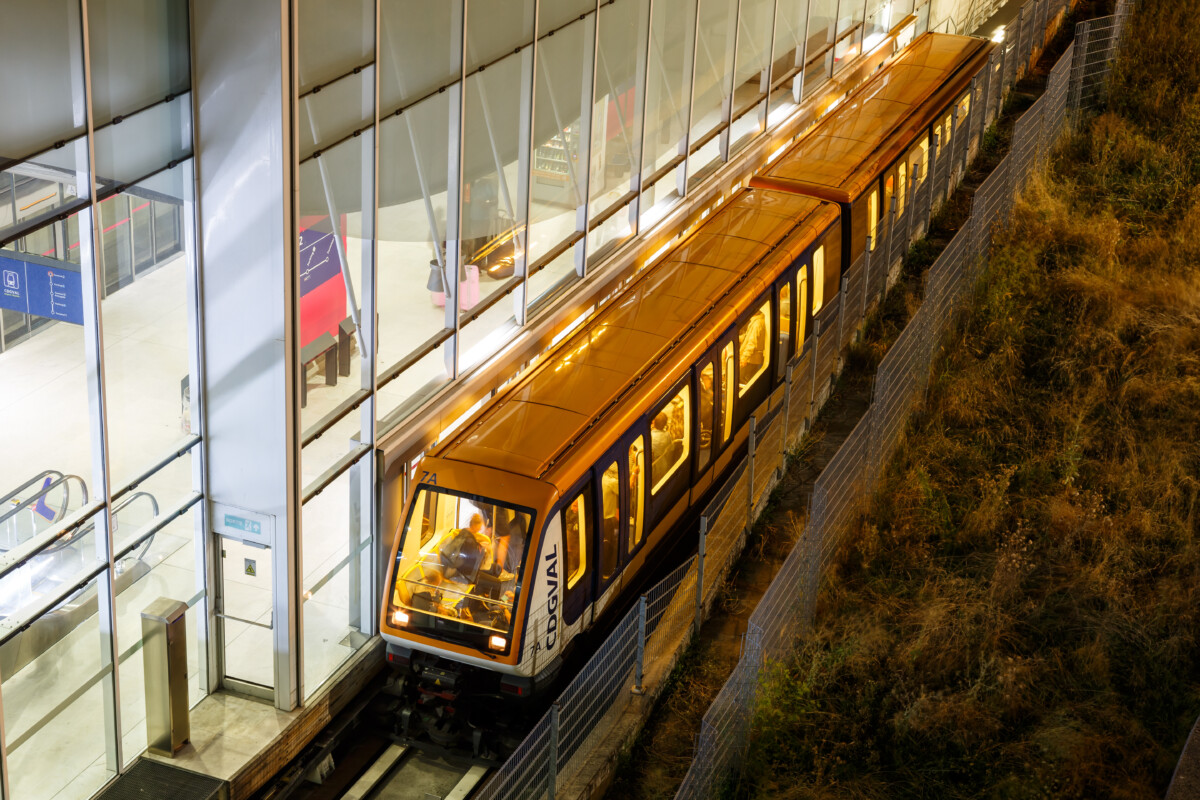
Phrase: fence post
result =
(956, 131)
(750, 474)
(700, 575)
(639, 665)
(866, 276)
(787, 407)
(552, 767)
(933, 162)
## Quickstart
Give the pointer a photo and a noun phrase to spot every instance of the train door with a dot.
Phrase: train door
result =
(705, 427)
(606, 575)
(785, 345)
(578, 523)
(803, 312)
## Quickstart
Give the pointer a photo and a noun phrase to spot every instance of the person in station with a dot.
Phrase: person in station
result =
(706, 404)
(752, 347)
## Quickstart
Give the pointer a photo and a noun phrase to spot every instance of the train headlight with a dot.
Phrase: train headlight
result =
(400, 618)
(497, 642)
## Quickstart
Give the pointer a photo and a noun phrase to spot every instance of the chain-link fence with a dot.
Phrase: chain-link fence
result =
(601, 707)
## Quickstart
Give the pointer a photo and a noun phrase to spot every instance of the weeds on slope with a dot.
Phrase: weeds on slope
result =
(1019, 613)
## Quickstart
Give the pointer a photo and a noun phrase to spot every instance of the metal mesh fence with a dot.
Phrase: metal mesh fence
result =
(581, 728)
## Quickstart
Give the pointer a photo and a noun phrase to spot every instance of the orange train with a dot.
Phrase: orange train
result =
(527, 526)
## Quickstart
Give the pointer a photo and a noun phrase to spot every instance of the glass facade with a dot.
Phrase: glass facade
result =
(455, 168)
(99, 435)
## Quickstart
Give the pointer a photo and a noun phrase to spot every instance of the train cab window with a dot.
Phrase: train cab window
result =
(610, 533)
(901, 186)
(460, 559)
(785, 324)
(818, 272)
(575, 526)
(726, 394)
(670, 438)
(873, 217)
(637, 492)
(753, 339)
(705, 417)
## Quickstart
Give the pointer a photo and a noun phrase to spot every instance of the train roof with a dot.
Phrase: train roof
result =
(527, 429)
(854, 143)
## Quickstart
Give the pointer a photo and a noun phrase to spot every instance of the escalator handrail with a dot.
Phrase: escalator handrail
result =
(33, 499)
(35, 479)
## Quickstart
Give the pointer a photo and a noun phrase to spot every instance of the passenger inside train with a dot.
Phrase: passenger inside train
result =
(461, 559)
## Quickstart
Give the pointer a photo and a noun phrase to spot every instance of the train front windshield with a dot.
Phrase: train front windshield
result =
(458, 568)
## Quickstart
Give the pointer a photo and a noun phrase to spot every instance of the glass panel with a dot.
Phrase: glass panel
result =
(785, 322)
(495, 28)
(821, 25)
(321, 453)
(159, 494)
(43, 379)
(617, 109)
(165, 566)
(576, 521)
(333, 39)
(791, 21)
(336, 570)
(415, 385)
(417, 26)
(486, 334)
(336, 111)
(881, 16)
(248, 618)
(726, 392)
(714, 65)
(460, 565)
(48, 572)
(753, 51)
(849, 30)
(412, 227)
(668, 84)
(918, 158)
(706, 416)
(753, 339)
(610, 234)
(552, 16)
(144, 142)
(54, 699)
(147, 335)
(873, 217)
(493, 215)
(637, 492)
(44, 104)
(559, 175)
(670, 437)
(902, 187)
(40, 186)
(332, 247)
(139, 54)
(547, 281)
(609, 542)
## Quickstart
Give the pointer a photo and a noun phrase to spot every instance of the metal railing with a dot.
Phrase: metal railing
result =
(582, 731)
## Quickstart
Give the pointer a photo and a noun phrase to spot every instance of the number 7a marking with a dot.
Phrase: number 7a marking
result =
(429, 477)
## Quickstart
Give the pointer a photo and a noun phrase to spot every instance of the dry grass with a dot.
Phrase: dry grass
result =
(1019, 614)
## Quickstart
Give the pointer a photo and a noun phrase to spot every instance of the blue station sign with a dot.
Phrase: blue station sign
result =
(44, 287)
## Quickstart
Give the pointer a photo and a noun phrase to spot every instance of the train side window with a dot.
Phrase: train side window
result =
(888, 191)
(964, 108)
(785, 323)
(610, 522)
(801, 308)
(831, 257)
(705, 417)
(919, 158)
(575, 525)
(873, 217)
(901, 186)
(670, 438)
(637, 491)
(753, 348)
(726, 394)
(947, 126)
(818, 272)
(859, 217)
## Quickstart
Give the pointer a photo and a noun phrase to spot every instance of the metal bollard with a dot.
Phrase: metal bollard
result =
(164, 655)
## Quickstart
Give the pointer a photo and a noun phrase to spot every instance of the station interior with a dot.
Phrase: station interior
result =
(226, 236)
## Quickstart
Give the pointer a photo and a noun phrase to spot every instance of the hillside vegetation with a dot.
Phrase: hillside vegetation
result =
(1018, 615)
